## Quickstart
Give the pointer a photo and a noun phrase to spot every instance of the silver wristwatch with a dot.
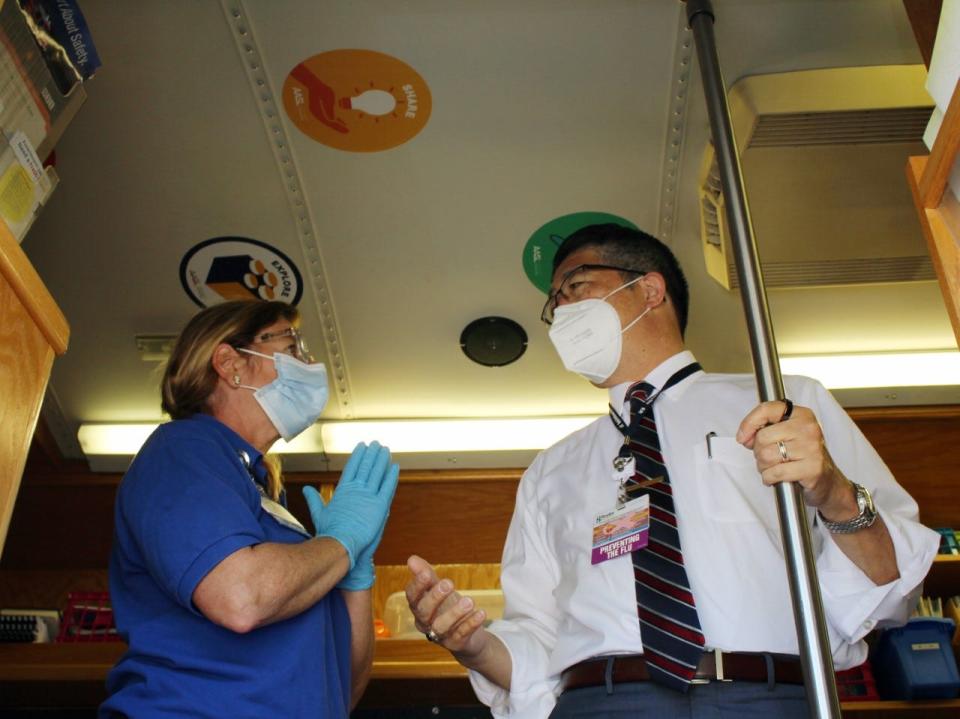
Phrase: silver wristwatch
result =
(867, 516)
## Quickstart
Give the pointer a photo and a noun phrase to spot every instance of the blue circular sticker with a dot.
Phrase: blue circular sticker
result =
(237, 268)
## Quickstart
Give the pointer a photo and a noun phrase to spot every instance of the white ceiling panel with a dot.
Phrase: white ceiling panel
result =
(540, 108)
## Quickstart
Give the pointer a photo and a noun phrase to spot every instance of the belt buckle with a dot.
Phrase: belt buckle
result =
(718, 666)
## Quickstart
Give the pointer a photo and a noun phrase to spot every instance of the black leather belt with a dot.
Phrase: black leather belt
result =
(713, 666)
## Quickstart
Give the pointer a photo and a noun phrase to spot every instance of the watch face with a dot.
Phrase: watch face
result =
(865, 501)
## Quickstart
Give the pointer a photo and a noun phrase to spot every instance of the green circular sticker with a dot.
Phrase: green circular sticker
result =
(542, 245)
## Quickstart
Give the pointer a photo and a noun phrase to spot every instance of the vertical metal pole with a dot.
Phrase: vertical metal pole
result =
(807, 607)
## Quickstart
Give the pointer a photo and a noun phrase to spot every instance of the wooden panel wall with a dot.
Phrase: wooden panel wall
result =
(450, 516)
(919, 445)
(64, 515)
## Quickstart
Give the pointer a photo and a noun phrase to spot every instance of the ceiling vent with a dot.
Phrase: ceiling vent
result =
(823, 155)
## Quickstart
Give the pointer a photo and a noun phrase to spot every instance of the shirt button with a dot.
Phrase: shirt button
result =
(868, 625)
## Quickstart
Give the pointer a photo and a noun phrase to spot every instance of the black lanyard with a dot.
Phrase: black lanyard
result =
(678, 376)
(624, 455)
(260, 484)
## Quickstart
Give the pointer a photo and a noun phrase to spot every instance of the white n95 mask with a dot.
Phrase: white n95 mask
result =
(588, 337)
(295, 399)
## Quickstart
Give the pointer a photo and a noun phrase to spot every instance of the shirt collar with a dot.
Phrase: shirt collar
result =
(235, 441)
(657, 377)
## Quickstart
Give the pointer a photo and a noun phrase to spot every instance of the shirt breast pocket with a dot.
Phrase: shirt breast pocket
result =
(729, 486)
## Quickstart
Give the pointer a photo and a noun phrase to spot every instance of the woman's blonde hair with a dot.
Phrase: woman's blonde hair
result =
(189, 378)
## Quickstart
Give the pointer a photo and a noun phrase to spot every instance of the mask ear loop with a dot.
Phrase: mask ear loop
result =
(642, 314)
(254, 352)
(236, 377)
(624, 286)
(636, 319)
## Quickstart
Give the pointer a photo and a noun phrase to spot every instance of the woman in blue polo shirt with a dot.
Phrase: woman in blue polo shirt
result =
(229, 606)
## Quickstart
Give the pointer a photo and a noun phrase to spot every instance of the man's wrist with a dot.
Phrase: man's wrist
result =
(844, 507)
(475, 659)
(865, 517)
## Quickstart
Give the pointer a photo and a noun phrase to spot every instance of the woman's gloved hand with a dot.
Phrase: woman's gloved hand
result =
(357, 513)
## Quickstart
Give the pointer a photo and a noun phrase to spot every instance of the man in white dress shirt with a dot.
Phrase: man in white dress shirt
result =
(570, 643)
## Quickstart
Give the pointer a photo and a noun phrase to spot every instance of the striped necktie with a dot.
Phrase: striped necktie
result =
(669, 625)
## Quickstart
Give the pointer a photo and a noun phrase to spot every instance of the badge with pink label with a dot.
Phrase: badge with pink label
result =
(621, 531)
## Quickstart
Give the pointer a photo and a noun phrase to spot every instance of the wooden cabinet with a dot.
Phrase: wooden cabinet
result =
(32, 332)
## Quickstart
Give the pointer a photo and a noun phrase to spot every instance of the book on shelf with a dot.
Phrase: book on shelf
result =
(951, 610)
(64, 38)
(949, 543)
(31, 101)
(928, 607)
(936, 607)
(35, 626)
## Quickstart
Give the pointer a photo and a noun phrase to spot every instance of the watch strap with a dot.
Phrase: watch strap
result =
(866, 518)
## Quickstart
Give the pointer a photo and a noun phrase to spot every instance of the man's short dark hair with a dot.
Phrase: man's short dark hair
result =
(635, 249)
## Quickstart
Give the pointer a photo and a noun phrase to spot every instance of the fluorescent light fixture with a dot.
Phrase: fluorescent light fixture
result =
(886, 369)
(451, 435)
(401, 435)
(846, 371)
(113, 439)
(126, 439)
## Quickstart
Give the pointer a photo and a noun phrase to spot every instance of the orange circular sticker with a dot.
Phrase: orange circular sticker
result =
(357, 100)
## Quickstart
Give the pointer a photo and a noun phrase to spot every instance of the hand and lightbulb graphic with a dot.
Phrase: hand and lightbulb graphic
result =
(357, 100)
(372, 102)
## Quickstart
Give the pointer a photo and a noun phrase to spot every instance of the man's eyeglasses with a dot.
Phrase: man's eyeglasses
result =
(575, 286)
(298, 349)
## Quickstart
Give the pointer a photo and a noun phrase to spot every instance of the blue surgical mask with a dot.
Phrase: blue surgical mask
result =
(295, 399)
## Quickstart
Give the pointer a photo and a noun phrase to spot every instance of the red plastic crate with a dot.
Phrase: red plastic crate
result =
(88, 617)
(857, 684)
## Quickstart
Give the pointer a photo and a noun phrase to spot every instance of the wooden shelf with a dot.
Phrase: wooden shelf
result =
(937, 207)
(64, 662)
(90, 661)
(413, 661)
(917, 709)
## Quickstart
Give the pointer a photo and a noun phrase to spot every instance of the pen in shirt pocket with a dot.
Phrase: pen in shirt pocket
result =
(709, 436)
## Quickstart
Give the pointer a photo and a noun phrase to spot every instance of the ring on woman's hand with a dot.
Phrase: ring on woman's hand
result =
(432, 636)
(781, 445)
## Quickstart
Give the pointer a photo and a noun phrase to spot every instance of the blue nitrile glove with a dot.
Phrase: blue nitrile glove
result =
(358, 511)
(363, 573)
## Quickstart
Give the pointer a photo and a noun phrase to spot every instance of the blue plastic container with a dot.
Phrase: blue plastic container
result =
(916, 661)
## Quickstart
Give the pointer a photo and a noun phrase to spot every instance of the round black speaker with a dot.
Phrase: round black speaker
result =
(493, 341)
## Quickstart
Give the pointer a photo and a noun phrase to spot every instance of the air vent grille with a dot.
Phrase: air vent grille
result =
(710, 201)
(841, 272)
(841, 128)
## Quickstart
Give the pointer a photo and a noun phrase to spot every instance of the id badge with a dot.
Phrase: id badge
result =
(621, 531)
(281, 514)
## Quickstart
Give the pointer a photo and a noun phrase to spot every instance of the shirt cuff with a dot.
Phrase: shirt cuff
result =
(528, 696)
(854, 605)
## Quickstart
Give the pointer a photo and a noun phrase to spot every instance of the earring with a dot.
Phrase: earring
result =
(236, 379)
